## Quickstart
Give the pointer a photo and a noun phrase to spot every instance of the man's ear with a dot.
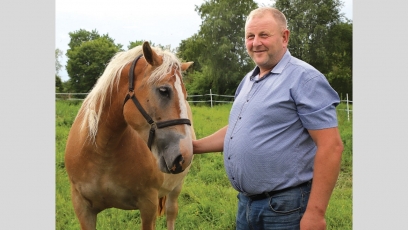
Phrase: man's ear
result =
(285, 36)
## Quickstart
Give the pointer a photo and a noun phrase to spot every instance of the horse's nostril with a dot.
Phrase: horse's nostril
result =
(177, 164)
(179, 160)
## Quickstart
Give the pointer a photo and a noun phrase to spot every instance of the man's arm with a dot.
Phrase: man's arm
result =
(326, 171)
(211, 143)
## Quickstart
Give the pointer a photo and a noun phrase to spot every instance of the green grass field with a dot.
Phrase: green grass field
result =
(207, 200)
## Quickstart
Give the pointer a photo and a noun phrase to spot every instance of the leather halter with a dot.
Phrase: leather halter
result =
(153, 124)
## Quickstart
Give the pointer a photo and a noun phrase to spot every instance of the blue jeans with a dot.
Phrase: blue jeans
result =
(281, 211)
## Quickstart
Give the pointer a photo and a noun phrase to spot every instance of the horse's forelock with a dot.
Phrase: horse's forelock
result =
(170, 61)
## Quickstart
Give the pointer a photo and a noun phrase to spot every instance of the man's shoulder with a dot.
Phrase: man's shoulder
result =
(301, 70)
(298, 63)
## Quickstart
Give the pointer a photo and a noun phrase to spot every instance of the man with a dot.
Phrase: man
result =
(282, 148)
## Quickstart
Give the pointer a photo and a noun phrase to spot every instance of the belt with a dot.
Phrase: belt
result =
(271, 193)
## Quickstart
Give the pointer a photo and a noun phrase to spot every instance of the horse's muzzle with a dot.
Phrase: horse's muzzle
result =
(175, 167)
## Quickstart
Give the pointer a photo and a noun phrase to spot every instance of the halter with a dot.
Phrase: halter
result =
(153, 124)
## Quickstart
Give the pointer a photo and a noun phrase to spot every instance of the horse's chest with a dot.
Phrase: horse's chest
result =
(110, 191)
(117, 182)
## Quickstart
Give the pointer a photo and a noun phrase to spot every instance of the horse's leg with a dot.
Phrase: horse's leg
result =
(172, 206)
(148, 210)
(86, 216)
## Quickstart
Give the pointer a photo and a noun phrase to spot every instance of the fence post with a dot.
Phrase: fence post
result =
(348, 111)
(211, 98)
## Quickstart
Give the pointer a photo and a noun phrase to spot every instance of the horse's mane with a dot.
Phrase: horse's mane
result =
(94, 102)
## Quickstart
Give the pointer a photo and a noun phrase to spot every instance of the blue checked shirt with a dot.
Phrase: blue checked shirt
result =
(267, 146)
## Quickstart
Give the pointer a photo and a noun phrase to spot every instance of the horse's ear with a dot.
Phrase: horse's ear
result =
(185, 65)
(151, 57)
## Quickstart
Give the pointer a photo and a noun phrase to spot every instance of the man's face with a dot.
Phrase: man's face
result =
(265, 41)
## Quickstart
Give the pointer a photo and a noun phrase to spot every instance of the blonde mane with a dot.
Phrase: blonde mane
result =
(94, 102)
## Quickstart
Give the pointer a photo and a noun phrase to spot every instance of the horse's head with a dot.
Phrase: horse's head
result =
(158, 110)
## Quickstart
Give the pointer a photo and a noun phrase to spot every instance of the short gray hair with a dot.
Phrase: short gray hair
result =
(277, 15)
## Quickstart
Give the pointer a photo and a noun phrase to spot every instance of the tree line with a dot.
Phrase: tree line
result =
(320, 35)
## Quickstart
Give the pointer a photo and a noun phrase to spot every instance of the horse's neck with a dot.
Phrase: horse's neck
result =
(112, 125)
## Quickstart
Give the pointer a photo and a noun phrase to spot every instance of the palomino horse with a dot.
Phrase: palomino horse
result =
(130, 145)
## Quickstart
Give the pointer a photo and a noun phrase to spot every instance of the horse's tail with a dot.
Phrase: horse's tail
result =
(161, 208)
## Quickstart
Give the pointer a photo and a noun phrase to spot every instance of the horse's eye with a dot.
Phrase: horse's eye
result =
(164, 91)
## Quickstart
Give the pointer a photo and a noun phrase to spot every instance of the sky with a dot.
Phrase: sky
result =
(161, 21)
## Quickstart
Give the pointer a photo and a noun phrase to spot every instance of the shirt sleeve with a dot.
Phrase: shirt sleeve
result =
(316, 103)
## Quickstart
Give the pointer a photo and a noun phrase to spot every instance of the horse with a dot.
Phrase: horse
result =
(130, 145)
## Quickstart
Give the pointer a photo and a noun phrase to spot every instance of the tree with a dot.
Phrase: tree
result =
(59, 87)
(88, 56)
(58, 82)
(190, 50)
(309, 22)
(218, 49)
(140, 42)
(340, 48)
(58, 65)
(80, 36)
(135, 43)
(320, 37)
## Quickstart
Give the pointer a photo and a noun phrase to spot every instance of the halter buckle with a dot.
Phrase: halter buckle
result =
(131, 93)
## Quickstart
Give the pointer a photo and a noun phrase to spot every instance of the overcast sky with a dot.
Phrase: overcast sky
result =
(161, 21)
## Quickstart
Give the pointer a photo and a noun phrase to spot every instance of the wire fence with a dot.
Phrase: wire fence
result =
(210, 98)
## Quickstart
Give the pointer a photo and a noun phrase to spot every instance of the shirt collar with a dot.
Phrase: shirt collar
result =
(276, 70)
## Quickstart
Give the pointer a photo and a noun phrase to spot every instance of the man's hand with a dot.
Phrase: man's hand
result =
(312, 221)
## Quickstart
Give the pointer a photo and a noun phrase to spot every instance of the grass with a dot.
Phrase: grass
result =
(207, 200)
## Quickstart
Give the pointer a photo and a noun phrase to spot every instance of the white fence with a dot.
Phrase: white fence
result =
(347, 106)
(195, 98)
(70, 96)
(212, 99)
